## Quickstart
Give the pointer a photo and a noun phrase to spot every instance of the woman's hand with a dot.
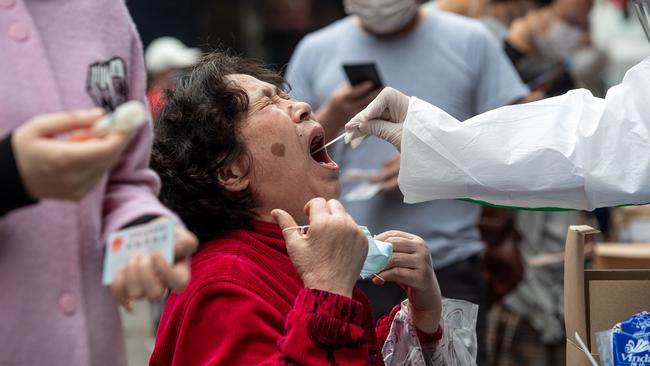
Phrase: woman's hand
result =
(149, 275)
(59, 169)
(329, 256)
(410, 267)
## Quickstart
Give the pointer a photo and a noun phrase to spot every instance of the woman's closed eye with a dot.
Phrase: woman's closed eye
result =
(269, 99)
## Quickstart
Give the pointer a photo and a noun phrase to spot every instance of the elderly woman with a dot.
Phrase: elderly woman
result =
(237, 159)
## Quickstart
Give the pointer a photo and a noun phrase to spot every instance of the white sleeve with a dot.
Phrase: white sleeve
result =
(574, 151)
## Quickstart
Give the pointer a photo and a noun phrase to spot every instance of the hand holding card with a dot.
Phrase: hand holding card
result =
(145, 260)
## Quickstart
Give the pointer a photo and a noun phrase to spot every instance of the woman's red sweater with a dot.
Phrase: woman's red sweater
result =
(246, 305)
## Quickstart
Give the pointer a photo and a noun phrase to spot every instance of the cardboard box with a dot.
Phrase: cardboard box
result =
(631, 223)
(622, 256)
(595, 300)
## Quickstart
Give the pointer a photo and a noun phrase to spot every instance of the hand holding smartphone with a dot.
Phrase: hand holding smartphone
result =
(358, 73)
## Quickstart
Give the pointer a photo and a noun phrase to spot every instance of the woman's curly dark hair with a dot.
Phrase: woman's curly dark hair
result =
(196, 136)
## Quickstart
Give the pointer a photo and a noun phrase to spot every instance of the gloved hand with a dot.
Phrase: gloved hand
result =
(344, 102)
(384, 118)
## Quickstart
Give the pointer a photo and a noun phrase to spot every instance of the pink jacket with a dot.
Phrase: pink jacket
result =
(62, 55)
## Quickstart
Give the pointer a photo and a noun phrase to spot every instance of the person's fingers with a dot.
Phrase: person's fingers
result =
(285, 220)
(389, 170)
(404, 260)
(90, 170)
(360, 90)
(390, 185)
(400, 275)
(151, 284)
(373, 119)
(117, 287)
(402, 245)
(336, 207)
(317, 208)
(379, 178)
(186, 243)
(97, 150)
(61, 122)
(378, 281)
(392, 162)
(377, 127)
(374, 110)
(395, 233)
(366, 99)
(176, 277)
(115, 140)
(133, 286)
(387, 130)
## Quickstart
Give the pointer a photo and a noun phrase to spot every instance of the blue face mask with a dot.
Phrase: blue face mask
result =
(379, 254)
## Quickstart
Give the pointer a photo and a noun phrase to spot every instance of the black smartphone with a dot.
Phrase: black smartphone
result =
(358, 73)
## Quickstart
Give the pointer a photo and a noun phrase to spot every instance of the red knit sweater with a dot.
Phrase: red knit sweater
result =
(246, 305)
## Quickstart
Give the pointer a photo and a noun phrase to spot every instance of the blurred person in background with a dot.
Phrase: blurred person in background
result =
(71, 56)
(285, 22)
(551, 48)
(164, 58)
(444, 58)
(527, 326)
(497, 15)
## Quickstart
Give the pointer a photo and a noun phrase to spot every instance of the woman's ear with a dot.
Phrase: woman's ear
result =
(235, 177)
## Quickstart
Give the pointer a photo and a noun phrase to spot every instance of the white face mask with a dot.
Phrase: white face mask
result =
(383, 16)
(560, 41)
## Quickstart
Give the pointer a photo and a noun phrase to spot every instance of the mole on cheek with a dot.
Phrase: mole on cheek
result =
(277, 149)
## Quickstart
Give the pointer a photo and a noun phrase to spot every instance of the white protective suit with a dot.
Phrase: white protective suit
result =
(574, 151)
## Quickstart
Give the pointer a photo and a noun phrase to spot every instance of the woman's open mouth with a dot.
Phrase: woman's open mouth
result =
(319, 154)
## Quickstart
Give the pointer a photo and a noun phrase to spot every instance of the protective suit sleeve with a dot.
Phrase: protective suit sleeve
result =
(574, 151)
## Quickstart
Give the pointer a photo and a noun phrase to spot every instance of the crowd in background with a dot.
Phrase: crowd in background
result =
(464, 56)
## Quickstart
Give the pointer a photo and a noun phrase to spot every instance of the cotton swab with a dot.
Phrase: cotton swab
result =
(329, 143)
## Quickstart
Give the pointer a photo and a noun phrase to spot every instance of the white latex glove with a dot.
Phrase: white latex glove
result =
(384, 118)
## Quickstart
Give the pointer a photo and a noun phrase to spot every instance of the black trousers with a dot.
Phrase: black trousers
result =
(462, 280)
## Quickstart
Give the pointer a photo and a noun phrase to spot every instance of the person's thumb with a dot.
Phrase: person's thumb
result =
(385, 130)
(287, 223)
(62, 122)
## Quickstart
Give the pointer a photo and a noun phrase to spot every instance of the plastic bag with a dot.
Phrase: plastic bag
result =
(458, 345)
(628, 343)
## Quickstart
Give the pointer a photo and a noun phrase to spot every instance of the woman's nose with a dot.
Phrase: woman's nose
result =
(301, 112)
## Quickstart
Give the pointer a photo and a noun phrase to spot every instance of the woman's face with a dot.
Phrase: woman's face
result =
(280, 134)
